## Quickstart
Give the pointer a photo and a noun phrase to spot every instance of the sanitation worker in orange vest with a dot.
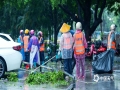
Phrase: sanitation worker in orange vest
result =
(111, 41)
(66, 43)
(26, 41)
(42, 47)
(111, 38)
(79, 51)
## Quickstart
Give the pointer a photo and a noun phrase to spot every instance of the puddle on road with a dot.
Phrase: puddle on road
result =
(105, 82)
(22, 86)
(88, 84)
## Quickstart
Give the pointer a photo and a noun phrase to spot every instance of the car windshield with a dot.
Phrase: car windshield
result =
(4, 37)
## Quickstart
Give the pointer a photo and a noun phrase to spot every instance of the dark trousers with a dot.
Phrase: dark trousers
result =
(73, 62)
(42, 57)
(42, 60)
(27, 56)
(112, 58)
(68, 65)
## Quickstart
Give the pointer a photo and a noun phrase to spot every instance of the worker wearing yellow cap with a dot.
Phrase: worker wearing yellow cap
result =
(26, 41)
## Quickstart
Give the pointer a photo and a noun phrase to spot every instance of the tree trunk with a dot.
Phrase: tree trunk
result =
(88, 33)
(49, 30)
(55, 28)
(101, 29)
(85, 19)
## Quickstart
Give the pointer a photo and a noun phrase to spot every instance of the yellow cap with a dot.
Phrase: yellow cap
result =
(26, 31)
(65, 28)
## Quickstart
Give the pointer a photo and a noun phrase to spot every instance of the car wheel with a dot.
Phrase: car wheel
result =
(2, 68)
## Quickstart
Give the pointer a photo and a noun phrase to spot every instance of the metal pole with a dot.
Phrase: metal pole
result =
(72, 86)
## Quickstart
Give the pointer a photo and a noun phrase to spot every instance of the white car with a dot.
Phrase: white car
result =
(10, 56)
(6, 37)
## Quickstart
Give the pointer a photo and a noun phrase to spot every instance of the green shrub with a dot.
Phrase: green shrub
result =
(47, 77)
(12, 76)
(38, 78)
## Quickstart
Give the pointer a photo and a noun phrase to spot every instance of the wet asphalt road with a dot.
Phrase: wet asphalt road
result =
(99, 82)
(91, 82)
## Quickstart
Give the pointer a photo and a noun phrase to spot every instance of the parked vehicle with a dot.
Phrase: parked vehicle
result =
(7, 37)
(98, 48)
(49, 51)
(95, 48)
(51, 54)
(10, 57)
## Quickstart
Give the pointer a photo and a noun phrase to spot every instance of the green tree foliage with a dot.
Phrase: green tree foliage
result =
(55, 3)
(89, 12)
(48, 15)
(114, 6)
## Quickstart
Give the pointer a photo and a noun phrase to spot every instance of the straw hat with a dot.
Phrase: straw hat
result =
(78, 25)
(65, 28)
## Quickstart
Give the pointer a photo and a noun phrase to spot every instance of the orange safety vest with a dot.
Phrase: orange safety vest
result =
(25, 42)
(79, 47)
(42, 47)
(113, 45)
(66, 42)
